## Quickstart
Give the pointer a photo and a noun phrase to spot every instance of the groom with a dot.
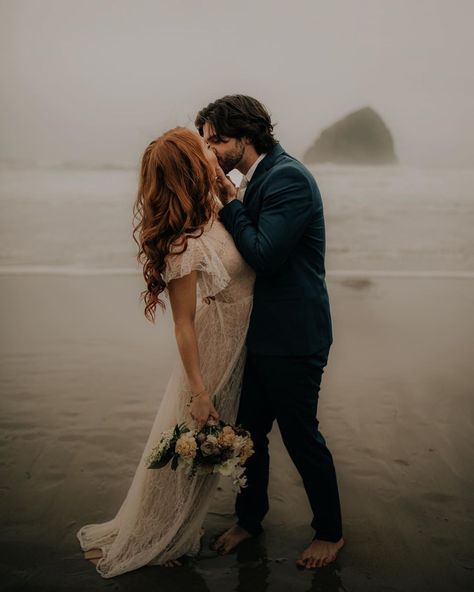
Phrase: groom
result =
(276, 220)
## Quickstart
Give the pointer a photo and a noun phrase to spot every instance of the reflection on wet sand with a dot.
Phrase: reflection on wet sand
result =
(81, 377)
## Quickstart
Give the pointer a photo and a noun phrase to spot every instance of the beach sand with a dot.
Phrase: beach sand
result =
(82, 373)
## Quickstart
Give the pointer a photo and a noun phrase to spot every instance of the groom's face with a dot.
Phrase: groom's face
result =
(229, 151)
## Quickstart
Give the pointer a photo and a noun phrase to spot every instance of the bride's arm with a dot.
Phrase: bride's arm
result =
(182, 293)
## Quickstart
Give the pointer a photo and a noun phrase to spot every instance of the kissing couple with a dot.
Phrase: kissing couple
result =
(243, 270)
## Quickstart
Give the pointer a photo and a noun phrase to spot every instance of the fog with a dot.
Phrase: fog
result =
(93, 82)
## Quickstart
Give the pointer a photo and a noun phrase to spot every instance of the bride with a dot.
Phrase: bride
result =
(188, 256)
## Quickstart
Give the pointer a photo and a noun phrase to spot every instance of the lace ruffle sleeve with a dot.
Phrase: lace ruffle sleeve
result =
(201, 257)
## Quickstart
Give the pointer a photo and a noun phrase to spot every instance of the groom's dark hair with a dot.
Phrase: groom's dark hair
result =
(238, 116)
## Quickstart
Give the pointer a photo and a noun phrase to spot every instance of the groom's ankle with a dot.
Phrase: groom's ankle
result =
(330, 537)
(252, 529)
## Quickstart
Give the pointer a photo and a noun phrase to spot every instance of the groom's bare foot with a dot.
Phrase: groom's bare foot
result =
(319, 553)
(230, 539)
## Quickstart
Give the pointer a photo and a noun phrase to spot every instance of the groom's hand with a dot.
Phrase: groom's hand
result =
(226, 188)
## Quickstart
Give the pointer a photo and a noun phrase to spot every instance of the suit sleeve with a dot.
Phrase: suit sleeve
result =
(287, 208)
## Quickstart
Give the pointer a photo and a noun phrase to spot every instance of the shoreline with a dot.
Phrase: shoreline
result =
(57, 270)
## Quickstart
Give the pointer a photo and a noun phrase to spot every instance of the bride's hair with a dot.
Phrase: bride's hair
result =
(173, 200)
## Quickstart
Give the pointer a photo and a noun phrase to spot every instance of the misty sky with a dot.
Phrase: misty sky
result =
(94, 81)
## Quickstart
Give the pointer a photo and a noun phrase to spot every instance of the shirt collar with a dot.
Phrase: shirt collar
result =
(252, 169)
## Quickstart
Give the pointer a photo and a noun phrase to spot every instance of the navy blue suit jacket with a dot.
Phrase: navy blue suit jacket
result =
(279, 230)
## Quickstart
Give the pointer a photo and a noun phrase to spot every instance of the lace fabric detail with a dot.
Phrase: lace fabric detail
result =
(163, 510)
(198, 256)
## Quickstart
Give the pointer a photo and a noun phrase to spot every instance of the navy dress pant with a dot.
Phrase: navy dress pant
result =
(286, 389)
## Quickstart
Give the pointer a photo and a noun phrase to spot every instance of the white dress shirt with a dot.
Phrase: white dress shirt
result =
(248, 176)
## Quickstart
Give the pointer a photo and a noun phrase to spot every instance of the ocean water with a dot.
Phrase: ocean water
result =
(383, 220)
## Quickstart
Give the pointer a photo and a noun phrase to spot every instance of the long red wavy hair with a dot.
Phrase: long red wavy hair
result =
(173, 200)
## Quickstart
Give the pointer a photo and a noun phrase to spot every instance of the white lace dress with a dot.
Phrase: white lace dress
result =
(163, 511)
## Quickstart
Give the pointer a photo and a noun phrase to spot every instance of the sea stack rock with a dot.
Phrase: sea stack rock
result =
(359, 138)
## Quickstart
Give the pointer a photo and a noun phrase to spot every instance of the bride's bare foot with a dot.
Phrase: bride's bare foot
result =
(171, 563)
(176, 562)
(319, 553)
(93, 555)
(230, 539)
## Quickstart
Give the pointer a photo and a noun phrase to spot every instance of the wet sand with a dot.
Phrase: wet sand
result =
(82, 373)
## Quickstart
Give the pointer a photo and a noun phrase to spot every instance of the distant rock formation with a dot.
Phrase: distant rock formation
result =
(360, 138)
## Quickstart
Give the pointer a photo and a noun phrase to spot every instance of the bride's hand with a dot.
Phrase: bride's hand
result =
(227, 189)
(202, 408)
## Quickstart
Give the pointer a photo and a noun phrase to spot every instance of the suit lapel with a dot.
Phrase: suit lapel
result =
(263, 166)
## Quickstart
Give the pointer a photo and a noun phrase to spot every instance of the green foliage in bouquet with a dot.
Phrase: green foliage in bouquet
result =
(164, 451)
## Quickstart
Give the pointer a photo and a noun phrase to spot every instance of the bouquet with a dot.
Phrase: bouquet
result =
(215, 448)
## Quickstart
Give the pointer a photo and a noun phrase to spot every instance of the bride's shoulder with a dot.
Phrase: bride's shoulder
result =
(180, 245)
(216, 231)
(191, 246)
(198, 251)
(199, 242)
(184, 255)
